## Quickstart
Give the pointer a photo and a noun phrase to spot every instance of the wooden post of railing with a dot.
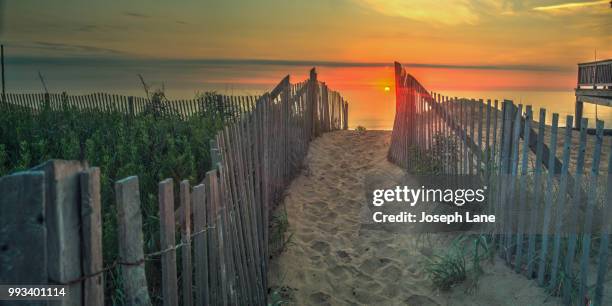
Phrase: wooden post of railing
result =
(131, 106)
(91, 220)
(324, 108)
(23, 231)
(200, 244)
(167, 242)
(602, 268)
(186, 240)
(506, 136)
(285, 127)
(312, 103)
(131, 252)
(346, 109)
(214, 154)
(63, 222)
(578, 113)
(3, 74)
(47, 101)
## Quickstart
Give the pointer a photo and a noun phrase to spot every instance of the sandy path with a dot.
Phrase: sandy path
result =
(333, 261)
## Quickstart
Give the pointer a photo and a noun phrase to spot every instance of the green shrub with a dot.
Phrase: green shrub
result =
(447, 269)
(460, 261)
(279, 226)
(150, 145)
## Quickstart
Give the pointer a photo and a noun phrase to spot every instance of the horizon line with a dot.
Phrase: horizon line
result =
(88, 60)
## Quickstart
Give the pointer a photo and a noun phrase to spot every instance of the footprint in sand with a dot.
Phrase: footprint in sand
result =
(320, 298)
(371, 265)
(314, 211)
(331, 216)
(340, 272)
(420, 300)
(306, 237)
(343, 255)
(320, 246)
(392, 273)
(391, 290)
(367, 297)
(320, 205)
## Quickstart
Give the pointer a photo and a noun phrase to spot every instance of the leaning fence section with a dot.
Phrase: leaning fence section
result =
(549, 186)
(50, 216)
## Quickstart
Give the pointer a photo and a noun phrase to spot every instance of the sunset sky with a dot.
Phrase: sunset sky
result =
(450, 45)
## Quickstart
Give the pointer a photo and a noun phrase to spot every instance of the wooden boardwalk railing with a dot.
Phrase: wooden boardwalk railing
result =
(595, 74)
(51, 214)
(563, 240)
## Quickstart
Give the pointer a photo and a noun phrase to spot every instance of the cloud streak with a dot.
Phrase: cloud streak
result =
(67, 49)
(455, 12)
(569, 5)
(137, 15)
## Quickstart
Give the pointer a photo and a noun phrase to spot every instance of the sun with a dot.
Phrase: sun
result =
(387, 88)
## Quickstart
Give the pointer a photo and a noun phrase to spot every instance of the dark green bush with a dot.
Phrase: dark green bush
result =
(149, 145)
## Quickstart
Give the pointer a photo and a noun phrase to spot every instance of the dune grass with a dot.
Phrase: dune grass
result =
(150, 145)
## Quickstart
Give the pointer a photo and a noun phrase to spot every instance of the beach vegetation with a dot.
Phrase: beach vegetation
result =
(280, 237)
(461, 261)
(153, 145)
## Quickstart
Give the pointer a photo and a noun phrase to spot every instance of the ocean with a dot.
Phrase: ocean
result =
(372, 105)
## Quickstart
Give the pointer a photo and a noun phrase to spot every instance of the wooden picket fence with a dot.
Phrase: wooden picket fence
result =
(51, 227)
(553, 214)
(229, 108)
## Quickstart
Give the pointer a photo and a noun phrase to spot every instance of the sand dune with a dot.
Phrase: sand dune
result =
(333, 260)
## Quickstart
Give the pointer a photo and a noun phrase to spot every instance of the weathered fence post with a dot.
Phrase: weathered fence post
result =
(578, 113)
(92, 237)
(214, 154)
(22, 211)
(47, 100)
(131, 112)
(325, 108)
(346, 109)
(63, 222)
(312, 102)
(167, 242)
(2, 67)
(131, 253)
(200, 245)
(606, 217)
(187, 272)
(572, 222)
(561, 202)
(549, 201)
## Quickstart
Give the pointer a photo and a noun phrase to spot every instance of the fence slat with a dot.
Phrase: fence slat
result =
(513, 171)
(575, 206)
(588, 219)
(535, 204)
(200, 245)
(549, 200)
(63, 222)
(561, 203)
(606, 223)
(131, 252)
(22, 210)
(522, 203)
(187, 270)
(93, 291)
(167, 242)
